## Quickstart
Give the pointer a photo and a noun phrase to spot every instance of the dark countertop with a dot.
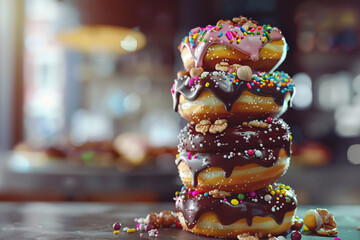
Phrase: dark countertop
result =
(94, 221)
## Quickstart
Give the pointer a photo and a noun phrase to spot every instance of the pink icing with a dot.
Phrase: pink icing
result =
(249, 44)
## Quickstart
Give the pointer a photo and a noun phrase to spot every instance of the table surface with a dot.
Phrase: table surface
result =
(94, 221)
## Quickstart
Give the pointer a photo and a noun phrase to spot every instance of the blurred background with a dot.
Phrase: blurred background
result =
(86, 111)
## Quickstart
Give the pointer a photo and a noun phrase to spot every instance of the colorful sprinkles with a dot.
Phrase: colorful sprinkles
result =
(198, 35)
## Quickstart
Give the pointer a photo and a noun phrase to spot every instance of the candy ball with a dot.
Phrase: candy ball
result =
(241, 196)
(148, 227)
(295, 235)
(117, 226)
(267, 197)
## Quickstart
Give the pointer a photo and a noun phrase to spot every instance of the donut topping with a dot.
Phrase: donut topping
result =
(243, 35)
(227, 87)
(251, 204)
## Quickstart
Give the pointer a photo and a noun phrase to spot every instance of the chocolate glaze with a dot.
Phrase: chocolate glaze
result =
(223, 89)
(206, 160)
(237, 138)
(229, 148)
(252, 205)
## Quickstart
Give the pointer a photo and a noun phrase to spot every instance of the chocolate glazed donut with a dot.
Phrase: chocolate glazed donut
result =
(269, 209)
(240, 159)
(221, 95)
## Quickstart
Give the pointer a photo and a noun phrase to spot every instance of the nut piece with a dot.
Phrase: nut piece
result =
(240, 20)
(244, 124)
(297, 223)
(244, 73)
(236, 66)
(222, 66)
(221, 21)
(219, 126)
(249, 24)
(196, 71)
(181, 74)
(254, 123)
(203, 126)
(321, 221)
(219, 194)
(168, 218)
(247, 236)
(271, 237)
(153, 219)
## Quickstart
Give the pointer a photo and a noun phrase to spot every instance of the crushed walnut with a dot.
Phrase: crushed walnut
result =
(271, 237)
(243, 20)
(219, 126)
(221, 21)
(216, 193)
(206, 126)
(236, 66)
(222, 66)
(249, 24)
(248, 236)
(203, 126)
(196, 71)
(256, 123)
(297, 223)
(325, 219)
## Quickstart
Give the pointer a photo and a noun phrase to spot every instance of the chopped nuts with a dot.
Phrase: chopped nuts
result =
(271, 237)
(219, 194)
(196, 72)
(321, 221)
(181, 74)
(219, 126)
(254, 123)
(297, 223)
(203, 126)
(244, 73)
(236, 66)
(244, 124)
(240, 20)
(222, 66)
(249, 24)
(221, 21)
(247, 236)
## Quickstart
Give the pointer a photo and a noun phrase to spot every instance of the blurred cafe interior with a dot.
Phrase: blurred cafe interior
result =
(86, 111)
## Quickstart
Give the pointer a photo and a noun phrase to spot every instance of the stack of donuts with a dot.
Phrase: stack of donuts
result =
(235, 145)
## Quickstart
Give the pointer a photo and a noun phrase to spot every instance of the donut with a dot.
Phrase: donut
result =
(240, 41)
(226, 95)
(267, 211)
(242, 158)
